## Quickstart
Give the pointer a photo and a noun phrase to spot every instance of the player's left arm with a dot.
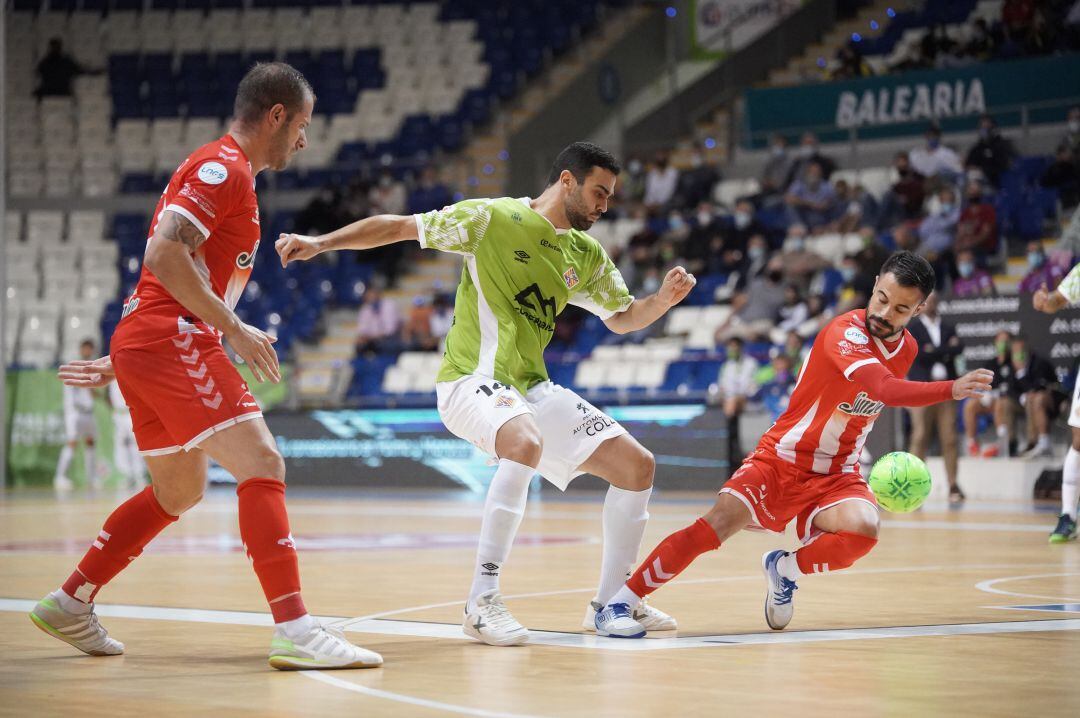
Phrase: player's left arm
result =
(643, 312)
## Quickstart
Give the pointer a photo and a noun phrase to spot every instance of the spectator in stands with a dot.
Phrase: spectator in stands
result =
(809, 153)
(850, 63)
(995, 403)
(936, 361)
(696, 183)
(793, 313)
(745, 265)
(774, 381)
(442, 316)
(632, 181)
(377, 324)
(1040, 271)
(416, 334)
(992, 153)
(429, 193)
(973, 281)
(937, 232)
(56, 71)
(1035, 387)
(800, 261)
(981, 44)
(855, 208)
(935, 159)
(737, 386)
(322, 214)
(936, 44)
(388, 196)
(1064, 176)
(820, 315)
(795, 349)
(777, 170)
(977, 227)
(1071, 139)
(756, 309)
(811, 199)
(904, 200)
(704, 243)
(660, 182)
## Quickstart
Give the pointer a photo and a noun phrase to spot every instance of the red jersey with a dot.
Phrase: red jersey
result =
(830, 415)
(213, 188)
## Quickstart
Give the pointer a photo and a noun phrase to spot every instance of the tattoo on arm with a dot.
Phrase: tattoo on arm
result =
(178, 228)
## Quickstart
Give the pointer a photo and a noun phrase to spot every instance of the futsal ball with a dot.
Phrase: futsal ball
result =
(900, 482)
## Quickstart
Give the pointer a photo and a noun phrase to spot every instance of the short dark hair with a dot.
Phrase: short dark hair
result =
(87, 342)
(579, 158)
(911, 270)
(268, 84)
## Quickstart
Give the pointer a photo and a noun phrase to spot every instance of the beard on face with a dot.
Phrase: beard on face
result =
(879, 328)
(280, 149)
(576, 211)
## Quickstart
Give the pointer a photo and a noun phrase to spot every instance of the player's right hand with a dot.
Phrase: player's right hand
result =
(295, 248)
(974, 383)
(88, 374)
(254, 346)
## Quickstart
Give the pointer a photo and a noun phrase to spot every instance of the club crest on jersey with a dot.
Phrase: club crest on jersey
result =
(862, 406)
(855, 336)
(213, 173)
(245, 260)
(505, 401)
(570, 277)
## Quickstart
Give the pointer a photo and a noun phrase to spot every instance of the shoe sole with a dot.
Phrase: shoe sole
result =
(768, 592)
(1058, 538)
(471, 632)
(294, 663)
(612, 635)
(42, 624)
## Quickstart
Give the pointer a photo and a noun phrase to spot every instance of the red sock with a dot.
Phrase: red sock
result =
(128, 529)
(832, 552)
(264, 529)
(674, 554)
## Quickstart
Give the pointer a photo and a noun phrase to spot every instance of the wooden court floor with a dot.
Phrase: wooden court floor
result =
(956, 613)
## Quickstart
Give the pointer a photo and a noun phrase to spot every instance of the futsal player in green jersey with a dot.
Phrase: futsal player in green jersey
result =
(525, 260)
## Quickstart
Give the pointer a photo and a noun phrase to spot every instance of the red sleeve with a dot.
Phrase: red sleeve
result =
(846, 345)
(209, 191)
(884, 386)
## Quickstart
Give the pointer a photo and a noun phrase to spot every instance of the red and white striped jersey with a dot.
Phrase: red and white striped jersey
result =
(830, 414)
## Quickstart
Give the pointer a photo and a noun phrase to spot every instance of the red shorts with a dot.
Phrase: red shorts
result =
(181, 390)
(777, 491)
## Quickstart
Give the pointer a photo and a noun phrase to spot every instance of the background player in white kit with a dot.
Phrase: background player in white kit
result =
(1066, 294)
(129, 462)
(79, 426)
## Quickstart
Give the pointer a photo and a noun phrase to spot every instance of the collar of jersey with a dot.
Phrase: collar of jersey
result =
(880, 344)
(527, 201)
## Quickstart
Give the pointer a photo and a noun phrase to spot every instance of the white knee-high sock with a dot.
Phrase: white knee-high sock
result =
(625, 516)
(65, 461)
(503, 510)
(1070, 482)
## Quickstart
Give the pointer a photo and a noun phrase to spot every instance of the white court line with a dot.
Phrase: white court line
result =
(987, 586)
(401, 698)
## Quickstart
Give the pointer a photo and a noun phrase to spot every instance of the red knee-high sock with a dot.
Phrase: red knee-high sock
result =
(674, 554)
(832, 552)
(264, 529)
(126, 532)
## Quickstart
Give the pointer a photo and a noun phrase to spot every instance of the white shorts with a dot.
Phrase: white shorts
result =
(475, 407)
(79, 426)
(1074, 410)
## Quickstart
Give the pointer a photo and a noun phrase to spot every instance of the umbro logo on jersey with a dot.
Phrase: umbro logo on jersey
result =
(570, 277)
(522, 256)
(862, 406)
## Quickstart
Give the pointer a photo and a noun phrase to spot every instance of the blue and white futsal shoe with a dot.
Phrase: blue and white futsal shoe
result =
(778, 601)
(616, 621)
(650, 617)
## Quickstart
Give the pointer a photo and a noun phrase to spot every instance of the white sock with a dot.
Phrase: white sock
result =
(298, 627)
(503, 509)
(90, 462)
(788, 566)
(625, 516)
(70, 603)
(1070, 483)
(624, 595)
(65, 461)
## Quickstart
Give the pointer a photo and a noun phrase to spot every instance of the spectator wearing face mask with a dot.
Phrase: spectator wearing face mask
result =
(750, 264)
(1035, 388)
(660, 182)
(935, 159)
(977, 227)
(703, 240)
(632, 181)
(756, 309)
(695, 184)
(996, 403)
(972, 281)
(388, 196)
(792, 314)
(807, 153)
(777, 169)
(736, 386)
(744, 225)
(811, 199)
(937, 232)
(800, 261)
(904, 200)
(993, 153)
(1040, 271)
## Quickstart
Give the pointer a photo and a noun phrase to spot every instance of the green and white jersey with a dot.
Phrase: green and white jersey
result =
(520, 273)
(1070, 286)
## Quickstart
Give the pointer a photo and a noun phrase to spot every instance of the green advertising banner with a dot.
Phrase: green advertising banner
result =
(1037, 91)
(35, 426)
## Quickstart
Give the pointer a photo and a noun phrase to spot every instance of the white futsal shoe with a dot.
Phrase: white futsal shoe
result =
(615, 621)
(650, 617)
(491, 622)
(81, 630)
(320, 648)
(779, 604)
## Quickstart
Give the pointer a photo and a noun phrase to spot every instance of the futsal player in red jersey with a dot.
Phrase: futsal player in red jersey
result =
(806, 467)
(187, 400)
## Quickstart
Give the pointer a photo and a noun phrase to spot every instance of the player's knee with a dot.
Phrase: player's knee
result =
(270, 464)
(867, 526)
(524, 445)
(644, 470)
(176, 499)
